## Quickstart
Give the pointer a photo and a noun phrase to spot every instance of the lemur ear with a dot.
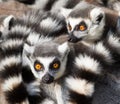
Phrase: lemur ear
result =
(8, 22)
(64, 48)
(65, 12)
(27, 51)
(97, 15)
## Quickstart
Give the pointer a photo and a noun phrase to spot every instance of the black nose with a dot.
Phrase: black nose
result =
(73, 39)
(47, 79)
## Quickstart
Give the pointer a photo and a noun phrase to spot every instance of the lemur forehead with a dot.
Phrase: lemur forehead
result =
(84, 13)
(46, 49)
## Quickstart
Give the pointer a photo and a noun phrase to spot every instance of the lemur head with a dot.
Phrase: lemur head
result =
(85, 23)
(47, 60)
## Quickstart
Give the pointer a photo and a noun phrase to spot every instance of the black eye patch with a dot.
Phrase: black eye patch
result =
(38, 66)
(81, 26)
(55, 64)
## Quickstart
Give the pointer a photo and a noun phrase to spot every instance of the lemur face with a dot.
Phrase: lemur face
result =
(47, 61)
(87, 26)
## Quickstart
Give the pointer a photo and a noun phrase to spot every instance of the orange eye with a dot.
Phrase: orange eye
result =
(69, 27)
(82, 28)
(55, 65)
(38, 66)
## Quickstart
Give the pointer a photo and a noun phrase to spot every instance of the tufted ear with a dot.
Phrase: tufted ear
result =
(65, 12)
(97, 15)
(64, 48)
(8, 22)
(27, 51)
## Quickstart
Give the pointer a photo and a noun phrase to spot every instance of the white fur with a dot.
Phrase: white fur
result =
(33, 38)
(87, 63)
(11, 43)
(100, 48)
(63, 48)
(8, 61)
(7, 21)
(11, 83)
(95, 12)
(33, 88)
(58, 91)
(21, 29)
(96, 30)
(80, 86)
(39, 4)
(116, 6)
(65, 12)
(73, 22)
(28, 49)
(25, 102)
(50, 24)
(114, 42)
(57, 5)
(47, 101)
(31, 17)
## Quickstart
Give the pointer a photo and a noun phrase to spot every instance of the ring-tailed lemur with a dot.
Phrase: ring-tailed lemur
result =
(89, 23)
(71, 80)
(83, 75)
(17, 80)
(36, 23)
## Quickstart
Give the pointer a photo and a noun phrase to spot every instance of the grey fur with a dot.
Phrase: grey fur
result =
(43, 50)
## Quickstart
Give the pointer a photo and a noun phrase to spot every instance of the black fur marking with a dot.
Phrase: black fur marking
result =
(79, 98)
(105, 2)
(37, 99)
(49, 4)
(18, 94)
(30, 2)
(99, 18)
(84, 74)
(17, 35)
(115, 56)
(14, 50)
(0, 33)
(82, 49)
(11, 22)
(71, 3)
(11, 70)
(27, 75)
